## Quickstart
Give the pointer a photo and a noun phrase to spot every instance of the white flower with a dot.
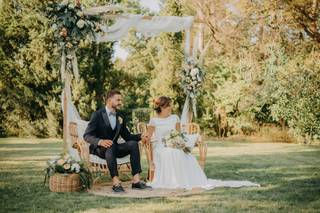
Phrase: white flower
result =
(71, 6)
(80, 14)
(81, 23)
(194, 72)
(69, 57)
(54, 27)
(75, 167)
(190, 60)
(65, 2)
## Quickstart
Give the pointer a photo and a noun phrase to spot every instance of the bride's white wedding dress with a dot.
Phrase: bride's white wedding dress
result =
(176, 169)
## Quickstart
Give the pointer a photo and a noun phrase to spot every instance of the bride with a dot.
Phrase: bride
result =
(173, 167)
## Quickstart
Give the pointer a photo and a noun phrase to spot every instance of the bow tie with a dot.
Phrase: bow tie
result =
(112, 113)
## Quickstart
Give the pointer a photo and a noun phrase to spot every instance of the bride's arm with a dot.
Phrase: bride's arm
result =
(150, 130)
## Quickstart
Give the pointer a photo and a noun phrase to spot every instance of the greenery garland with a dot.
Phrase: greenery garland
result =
(70, 25)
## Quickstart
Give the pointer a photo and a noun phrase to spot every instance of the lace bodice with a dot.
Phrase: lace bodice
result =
(163, 127)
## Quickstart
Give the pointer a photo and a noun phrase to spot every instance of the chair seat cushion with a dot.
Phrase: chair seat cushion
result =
(97, 159)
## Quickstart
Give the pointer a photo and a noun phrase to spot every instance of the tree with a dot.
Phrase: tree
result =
(30, 76)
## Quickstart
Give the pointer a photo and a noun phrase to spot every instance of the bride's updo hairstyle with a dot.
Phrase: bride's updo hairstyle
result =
(162, 101)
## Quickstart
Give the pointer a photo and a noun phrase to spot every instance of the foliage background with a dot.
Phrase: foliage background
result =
(262, 64)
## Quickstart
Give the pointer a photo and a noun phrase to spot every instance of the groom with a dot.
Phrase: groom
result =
(103, 131)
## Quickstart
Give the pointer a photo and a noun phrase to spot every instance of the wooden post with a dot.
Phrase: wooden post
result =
(190, 115)
(65, 122)
(191, 40)
(201, 34)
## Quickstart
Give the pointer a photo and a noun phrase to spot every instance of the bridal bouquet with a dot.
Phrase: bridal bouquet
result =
(176, 140)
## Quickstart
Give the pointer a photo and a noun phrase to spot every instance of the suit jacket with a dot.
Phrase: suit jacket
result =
(99, 128)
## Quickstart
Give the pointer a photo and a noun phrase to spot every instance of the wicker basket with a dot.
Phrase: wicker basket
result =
(65, 183)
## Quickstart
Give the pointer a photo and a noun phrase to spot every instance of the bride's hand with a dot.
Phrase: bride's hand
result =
(145, 138)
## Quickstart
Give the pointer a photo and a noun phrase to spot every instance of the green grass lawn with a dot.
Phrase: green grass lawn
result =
(289, 175)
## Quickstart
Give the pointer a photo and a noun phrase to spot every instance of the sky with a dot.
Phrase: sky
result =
(154, 6)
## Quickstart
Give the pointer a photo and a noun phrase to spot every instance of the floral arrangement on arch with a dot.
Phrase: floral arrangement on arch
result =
(192, 76)
(70, 25)
(176, 140)
(67, 165)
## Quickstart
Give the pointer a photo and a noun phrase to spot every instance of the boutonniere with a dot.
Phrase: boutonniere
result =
(120, 120)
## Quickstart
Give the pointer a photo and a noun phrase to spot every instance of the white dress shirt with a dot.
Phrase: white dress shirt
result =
(112, 117)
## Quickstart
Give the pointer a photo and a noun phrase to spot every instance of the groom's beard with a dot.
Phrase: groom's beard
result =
(116, 107)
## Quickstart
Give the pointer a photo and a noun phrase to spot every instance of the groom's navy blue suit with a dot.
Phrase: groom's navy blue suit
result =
(99, 128)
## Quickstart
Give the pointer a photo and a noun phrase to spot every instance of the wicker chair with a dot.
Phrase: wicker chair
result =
(190, 128)
(142, 127)
(194, 128)
(96, 165)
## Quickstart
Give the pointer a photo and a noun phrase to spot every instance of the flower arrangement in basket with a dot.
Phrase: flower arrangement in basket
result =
(67, 175)
(176, 140)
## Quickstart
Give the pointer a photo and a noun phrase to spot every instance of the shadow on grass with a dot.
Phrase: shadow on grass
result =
(290, 182)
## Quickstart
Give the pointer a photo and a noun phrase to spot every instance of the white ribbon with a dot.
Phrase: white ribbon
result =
(75, 68)
(63, 65)
(185, 111)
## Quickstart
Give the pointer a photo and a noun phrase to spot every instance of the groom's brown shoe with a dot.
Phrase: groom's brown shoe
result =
(140, 185)
(118, 189)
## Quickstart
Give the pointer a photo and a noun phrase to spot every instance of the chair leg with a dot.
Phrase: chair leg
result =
(95, 180)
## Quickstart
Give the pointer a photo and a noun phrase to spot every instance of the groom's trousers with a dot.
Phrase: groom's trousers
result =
(118, 151)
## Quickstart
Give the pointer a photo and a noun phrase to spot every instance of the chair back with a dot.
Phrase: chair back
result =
(77, 143)
(142, 127)
(73, 133)
(191, 128)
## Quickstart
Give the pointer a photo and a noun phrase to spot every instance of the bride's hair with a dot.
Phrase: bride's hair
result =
(162, 101)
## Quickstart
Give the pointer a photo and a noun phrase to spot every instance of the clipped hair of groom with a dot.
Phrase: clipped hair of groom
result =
(110, 94)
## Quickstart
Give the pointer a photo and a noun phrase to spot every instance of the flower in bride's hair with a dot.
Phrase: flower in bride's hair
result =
(156, 101)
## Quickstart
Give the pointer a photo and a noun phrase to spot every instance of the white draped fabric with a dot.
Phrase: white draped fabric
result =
(147, 27)
(185, 111)
(72, 116)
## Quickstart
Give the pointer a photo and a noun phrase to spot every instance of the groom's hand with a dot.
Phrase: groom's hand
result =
(105, 143)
